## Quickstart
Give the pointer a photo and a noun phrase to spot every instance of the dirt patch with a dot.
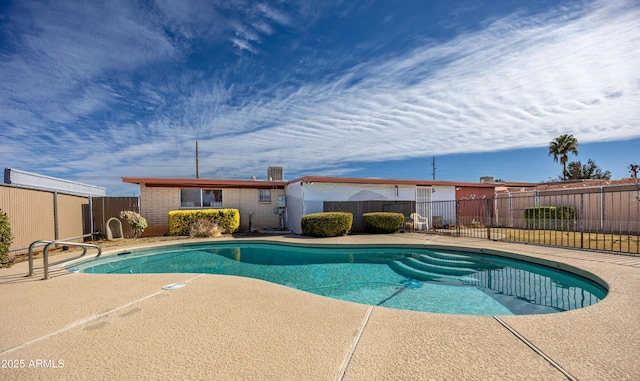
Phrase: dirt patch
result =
(102, 243)
(134, 241)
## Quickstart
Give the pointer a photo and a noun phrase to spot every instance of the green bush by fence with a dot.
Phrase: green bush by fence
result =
(550, 217)
(180, 221)
(5, 240)
(383, 222)
(327, 224)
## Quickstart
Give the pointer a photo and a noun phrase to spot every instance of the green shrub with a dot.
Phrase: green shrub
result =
(180, 221)
(327, 224)
(550, 217)
(383, 222)
(5, 240)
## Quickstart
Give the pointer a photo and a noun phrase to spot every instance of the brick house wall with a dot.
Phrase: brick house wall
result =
(157, 202)
(247, 202)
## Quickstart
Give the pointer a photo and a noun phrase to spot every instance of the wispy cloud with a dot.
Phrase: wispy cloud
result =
(517, 83)
(86, 90)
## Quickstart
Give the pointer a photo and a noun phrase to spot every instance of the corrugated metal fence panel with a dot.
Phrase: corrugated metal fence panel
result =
(504, 217)
(30, 214)
(106, 207)
(70, 216)
(621, 212)
(518, 205)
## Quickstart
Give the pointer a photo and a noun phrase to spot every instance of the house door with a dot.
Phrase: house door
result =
(423, 202)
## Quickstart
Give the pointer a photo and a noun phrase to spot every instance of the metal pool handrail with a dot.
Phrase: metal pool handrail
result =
(45, 253)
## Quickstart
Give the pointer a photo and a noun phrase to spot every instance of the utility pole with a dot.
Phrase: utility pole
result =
(197, 176)
(433, 165)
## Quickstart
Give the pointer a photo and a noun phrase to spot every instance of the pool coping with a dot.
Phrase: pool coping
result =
(597, 342)
(114, 254)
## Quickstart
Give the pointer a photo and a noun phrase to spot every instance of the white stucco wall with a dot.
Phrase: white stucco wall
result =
(309, 197)
(295, 207)
(447, 209)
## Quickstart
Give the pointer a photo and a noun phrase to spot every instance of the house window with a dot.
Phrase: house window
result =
(201, 198)
(264, 195)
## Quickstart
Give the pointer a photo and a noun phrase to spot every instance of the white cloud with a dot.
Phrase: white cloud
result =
(273, 14)
(501, 88)
(517, 83)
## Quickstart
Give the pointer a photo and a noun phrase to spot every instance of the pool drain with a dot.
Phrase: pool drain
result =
(411, 283)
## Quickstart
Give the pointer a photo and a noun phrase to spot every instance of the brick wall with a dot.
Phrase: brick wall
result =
(246, 201)
(155, 204)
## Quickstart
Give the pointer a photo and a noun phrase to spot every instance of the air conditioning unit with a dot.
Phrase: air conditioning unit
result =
(486, 179)
(275, 173)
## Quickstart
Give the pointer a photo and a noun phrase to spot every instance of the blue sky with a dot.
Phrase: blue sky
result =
(92, 91)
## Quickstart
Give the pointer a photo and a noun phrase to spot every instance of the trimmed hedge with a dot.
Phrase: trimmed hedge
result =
(180, 221)
(5, 240)
(550, 217)
(327, 224)
(383, 222)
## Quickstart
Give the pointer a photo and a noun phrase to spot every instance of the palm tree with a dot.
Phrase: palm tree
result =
(561, 147)
(633, 170)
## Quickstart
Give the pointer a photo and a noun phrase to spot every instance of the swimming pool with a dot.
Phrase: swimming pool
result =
(404, 277)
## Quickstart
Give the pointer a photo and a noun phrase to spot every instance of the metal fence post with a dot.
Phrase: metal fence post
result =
(56, 231)
(91, 223)
(458, 218)
(488, 207)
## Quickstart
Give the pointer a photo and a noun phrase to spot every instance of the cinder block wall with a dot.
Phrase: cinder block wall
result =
(155, 204)
(246, 201)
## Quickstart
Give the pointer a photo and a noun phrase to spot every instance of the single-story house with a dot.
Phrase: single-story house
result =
(431, 199)
(282, 204)
(256, 200)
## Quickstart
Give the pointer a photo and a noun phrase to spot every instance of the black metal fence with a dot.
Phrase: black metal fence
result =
(600, 218)
(597, 219)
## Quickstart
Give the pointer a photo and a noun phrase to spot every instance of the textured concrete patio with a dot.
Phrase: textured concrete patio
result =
(85, 327)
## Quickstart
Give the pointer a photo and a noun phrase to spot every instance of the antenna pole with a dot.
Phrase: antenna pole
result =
(433, 165)
(197, 176)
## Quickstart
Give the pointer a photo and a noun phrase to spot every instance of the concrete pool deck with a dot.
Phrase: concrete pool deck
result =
(85, 326)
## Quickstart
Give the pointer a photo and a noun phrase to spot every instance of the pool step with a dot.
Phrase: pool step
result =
(406, 270)
(474, 261)
(451, 256)
(443, 268)
(426, 258)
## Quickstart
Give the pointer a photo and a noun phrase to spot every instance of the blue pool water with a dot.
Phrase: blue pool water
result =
(419, 279)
